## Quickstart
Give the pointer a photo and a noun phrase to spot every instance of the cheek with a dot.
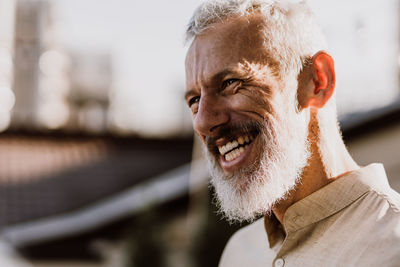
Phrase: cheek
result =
(252, 101)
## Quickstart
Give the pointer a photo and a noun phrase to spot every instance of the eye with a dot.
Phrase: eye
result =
(193, 100)
(230, 82)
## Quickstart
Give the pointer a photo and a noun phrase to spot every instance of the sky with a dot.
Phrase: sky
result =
(145, 39)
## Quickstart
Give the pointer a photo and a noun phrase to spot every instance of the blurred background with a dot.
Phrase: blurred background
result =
(98, 163)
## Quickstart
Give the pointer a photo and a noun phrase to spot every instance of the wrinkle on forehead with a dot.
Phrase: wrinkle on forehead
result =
(238, 42)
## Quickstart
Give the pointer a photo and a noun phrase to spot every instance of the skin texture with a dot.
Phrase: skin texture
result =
(230, 79)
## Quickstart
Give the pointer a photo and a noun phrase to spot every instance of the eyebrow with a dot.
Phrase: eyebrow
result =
(217, 78)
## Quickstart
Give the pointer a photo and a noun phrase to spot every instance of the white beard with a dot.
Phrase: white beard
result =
(269, 180)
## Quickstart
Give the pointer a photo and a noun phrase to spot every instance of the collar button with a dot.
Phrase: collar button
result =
(279, 262)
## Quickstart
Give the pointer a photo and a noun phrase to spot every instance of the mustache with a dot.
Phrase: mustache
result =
(231, 131)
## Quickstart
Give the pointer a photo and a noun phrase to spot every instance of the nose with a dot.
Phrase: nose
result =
(211, 114)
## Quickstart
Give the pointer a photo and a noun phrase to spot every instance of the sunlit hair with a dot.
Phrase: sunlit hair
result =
(291, 32)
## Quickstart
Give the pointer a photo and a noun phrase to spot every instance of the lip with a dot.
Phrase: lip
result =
(245, 159)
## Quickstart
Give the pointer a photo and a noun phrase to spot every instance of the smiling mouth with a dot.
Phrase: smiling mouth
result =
(235, 148)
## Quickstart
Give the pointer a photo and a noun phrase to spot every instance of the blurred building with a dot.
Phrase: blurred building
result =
(91, 78)
(7, 97)
(55, 89)
(37, 72)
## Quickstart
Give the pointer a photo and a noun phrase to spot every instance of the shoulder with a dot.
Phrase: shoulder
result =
(376, 197)
(382, 239)
(376, 227)
(374, 178)
(393, 199)
(384, 203)
(248, 246)
(379, 208)
(387, 214)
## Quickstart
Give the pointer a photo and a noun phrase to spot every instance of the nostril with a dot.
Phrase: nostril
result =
(211, 114)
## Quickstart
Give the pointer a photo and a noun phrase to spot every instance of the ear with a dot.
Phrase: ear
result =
(318, 84)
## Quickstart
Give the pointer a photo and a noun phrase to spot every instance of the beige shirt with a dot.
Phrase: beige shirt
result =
(353, 221)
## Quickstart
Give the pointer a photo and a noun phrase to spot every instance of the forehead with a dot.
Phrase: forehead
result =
(227, 44)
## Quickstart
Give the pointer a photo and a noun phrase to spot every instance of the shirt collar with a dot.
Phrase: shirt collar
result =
(327, 201)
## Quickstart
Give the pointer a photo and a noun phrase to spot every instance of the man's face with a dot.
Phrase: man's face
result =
(255, 140)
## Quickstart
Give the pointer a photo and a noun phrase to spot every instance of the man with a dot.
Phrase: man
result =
(261, 90)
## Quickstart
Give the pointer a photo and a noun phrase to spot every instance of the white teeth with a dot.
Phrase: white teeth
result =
(228, 146)
(234, 144)
(234, 154)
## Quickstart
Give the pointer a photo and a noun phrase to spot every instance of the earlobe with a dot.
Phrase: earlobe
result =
(318, 91)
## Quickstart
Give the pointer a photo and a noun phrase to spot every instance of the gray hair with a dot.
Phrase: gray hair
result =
(291, 33)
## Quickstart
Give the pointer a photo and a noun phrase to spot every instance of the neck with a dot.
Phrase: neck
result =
(329, 160)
